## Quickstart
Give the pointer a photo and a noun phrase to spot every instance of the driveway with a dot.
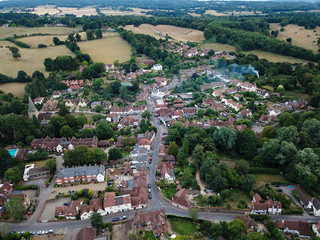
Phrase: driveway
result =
(288, 191)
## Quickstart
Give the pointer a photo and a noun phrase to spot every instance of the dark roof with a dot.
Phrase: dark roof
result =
(316, 203)
(303, 197)
(37, 170)
(32, 108)
(85, 234)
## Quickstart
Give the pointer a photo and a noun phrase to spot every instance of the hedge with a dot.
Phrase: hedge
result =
(260, 170)
(19, 43)
(260, 217)
(280, 182)
(27, 187)
(294, 193)
(293, 211)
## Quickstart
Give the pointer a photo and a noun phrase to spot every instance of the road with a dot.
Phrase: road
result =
(157, 201)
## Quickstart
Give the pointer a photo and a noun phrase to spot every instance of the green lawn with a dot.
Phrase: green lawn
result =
(149, 235)
(296, 94)
(125, 154)
(237, 195)
(168, 192)
(183, 227)
(262, 179)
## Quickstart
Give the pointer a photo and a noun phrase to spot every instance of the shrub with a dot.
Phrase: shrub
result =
(260, 170)
(27, 187)
(42, 45)
(294, 193)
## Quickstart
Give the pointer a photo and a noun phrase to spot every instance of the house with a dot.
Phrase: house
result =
(83, 103)
(56, 94)
(166, 171)
(31, 172)
(108, 67)
(5, 191)
(248, 221)
(294, 227)
(73, 210)
(169, 158)
(316, 229)
(95, 205)
(61, 211)
(159, 104)
(187, 112)
(303, 199)
(138, 192)
(314, 204)
(274, 207)
(95, 104)
(145, 143)
(81, 174)
(218, 94)
(151, 221)
(180, 199)
(114, 204)
(258, 207)
(38, 100)
(156, 67)
(86, 233)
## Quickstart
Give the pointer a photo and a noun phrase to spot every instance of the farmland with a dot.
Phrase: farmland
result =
(114, 12)
(10, 31)
(160, 31)
(107, 49)
(234, 13)
(218, 46)
(31, 59)
(35, 40)
(273, 57)
(17, 89)
(61, 11)
(301, 37)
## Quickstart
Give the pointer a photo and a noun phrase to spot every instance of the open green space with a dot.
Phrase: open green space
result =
(183, 227)
(273, 57)
(168, 192)
(262, 179)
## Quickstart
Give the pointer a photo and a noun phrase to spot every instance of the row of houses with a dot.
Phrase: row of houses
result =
(267, 207)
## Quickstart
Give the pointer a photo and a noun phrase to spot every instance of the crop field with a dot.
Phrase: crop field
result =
(301, 37)
(10, 31)
(273, 57)
(114, 12)
(61, 11)
(107, 50)
(47, 40)
(160, 31)
(17, 89)
(31, 59)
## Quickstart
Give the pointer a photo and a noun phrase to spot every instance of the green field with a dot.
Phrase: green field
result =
(218, 46)
(183, 227)
(296, 94)
(237, 195)
(273, 57)
(262, 179)
(9, 32)
(168, 192)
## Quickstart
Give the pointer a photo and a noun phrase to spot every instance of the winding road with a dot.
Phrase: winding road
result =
(155, 203)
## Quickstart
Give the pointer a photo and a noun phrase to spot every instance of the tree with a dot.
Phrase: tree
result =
(242, 167)
(312, 127)
(15, 52)
(146, 114)
(289, 134)
(87, 133)
(5, 160)
(51, 164)
(235, 228)
(225, 138)
(66, 131)
(185, 147)
(123, 91)
(15, 207)
(104, 131)
(89, 34)
(194, 213)
(98, 33)
(56, 41)
(114, 154)
(49, 64)
(246, 143)
(13, 174)
(82, 155)
(96, 221)
(200, 113)
(248, 183)
(63, 110)
(78, 37)
(173, 149)
(198, 154)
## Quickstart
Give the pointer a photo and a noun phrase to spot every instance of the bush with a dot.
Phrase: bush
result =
(42, 45)
(260, 217)
(260, 170)
(19, 43)
(27, 187)
(280, 182)
(294, 193)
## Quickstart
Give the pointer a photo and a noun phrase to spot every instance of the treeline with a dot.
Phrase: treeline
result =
(19, 43)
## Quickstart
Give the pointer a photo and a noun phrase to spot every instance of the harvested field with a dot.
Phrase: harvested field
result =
(219, 46)
(273, 57)
(234, 13)
(61, 11)
(10, 31)
(114, 12)
(17, 89)
(31, 59)
(107, 50)
(306, 38)
(160, 31)
(47, 40)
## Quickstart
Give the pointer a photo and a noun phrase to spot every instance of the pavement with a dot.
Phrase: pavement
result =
(157, 202)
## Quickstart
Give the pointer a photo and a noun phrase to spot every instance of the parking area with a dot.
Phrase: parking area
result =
(65, 190)
(49, 211)
(38, 182)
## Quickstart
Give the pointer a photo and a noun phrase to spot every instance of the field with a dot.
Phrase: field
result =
(114, 12)
(31, 59)
(262, 179)
(10, 31)
(237, 195)
(61, 11)
(183, 227)
(234, 13)
(218, 46)
(273, 57)
(107, 50)
(296, 94)
(160, 31)
(17, 89)
(47, 40)
(302, 37)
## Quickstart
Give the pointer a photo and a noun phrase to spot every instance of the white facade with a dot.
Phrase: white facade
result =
(315, 230)
(157, 67)
(100, 178)
(274, 210)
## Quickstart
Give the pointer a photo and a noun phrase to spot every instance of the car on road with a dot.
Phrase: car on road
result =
(150, 161)
(66, 204)
(151, 154)
(115, 219)
(152, 148)
(123, 218)
(150, 196)
(149, 185)
(159, 123)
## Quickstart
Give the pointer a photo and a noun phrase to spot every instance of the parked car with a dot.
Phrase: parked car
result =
(50, 231)
(124, 217)
(277, 185)
(150, 158)
(150, 196)
(39, 232)
(66, 204)
(152, 147)
(115, 219)
(149, 185)
(206, 191)
(279, 190)
(150, 161)
(149, 190)
(151, 154)
(149, 167)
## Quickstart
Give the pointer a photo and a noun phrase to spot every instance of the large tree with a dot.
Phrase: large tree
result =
(5, 160)
(13, 174)
(114, 154)
(96, 221)
(15, 207)
(225, 138)
(51, 164)
(173, 149)
(104, 131)
(246, 143)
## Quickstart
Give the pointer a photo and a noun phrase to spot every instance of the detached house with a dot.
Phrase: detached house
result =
(180, 199)
(166, 171)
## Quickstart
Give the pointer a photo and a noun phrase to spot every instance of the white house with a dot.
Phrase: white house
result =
(83, 103)
(114, 204)
(157, 67)
(316, 229)
(314, 204)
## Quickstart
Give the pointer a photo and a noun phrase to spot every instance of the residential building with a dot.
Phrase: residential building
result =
(294, 227)
(95, 205)
(81, 174)
(316, 229)
(31, 172)
(114, 204)
(166, 171)
(260, 207)
(314, 204)
(156, 67)
(180, 199)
